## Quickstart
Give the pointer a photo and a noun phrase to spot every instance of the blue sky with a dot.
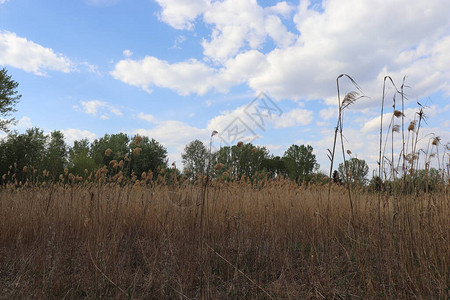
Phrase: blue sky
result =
(175, 70)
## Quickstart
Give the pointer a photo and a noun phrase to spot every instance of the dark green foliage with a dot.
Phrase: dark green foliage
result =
(8, 98)
(117, 143)
(357, 171)
(79, 158)
(300, 162)
(20, 150)
(56, 154)
(151, 156)
(194, 158)
(245, 160)
(275, 166)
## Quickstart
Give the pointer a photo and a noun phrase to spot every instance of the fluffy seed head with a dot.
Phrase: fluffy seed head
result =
(218, 166)
(136, 151)
(137, 139)
(398, 113)
(412, 125)
(436, 141)
(240, 144)
(108, 152)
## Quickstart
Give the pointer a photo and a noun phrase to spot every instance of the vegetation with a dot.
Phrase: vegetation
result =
(8, 98)
(110, 219)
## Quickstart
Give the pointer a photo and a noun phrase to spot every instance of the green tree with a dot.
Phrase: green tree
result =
(357, 171)
(275, 165)
(22, 150)
(300, 162)
(194, 158)
(79, 158)
(246, 159)
(8, 98)
(117, 143)
(150, 156)
(56, 154)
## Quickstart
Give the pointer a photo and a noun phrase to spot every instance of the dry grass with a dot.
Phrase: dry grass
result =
(146, 241)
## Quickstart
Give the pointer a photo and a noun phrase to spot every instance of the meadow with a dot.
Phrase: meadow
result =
(277, 240)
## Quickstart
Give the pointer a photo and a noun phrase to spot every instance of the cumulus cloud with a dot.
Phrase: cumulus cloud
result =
(21, 53)
(410, 115)
(296, 117)
(303, 63)
(180, 14)
(94, 107)
(184, 77)
(148, 117)
(73, 134)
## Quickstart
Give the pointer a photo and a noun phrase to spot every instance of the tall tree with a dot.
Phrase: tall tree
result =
(22, 150)
(149, 157)
(194, 158)
(276, 166)
(245, 159)
(56, 154)
(8, 98)
(118, 144)
(357, 171)
(79, 158)
(300, 162)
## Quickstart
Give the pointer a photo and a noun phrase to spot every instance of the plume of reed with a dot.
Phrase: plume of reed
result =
(348, 100)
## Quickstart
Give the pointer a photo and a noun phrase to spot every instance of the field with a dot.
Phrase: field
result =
(274, 240)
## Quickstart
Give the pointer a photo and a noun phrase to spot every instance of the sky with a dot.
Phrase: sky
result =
(259, 71)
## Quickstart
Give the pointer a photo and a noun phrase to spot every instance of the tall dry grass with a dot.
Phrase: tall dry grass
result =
(145, 240)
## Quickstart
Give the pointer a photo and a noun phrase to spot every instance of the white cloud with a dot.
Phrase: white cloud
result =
(327, 42)
(148, 117)
(283, 9)
(296, 117)
(181, 13)
(127, 53)
(24, 123)
(328, 113)
(93, 107)
(174, 135)
(21, 53)
(184, 77)
(3, 1)
(178, 41)
(410, 115)
(72, 134)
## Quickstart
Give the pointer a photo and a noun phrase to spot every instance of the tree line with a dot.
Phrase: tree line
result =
(33, 152)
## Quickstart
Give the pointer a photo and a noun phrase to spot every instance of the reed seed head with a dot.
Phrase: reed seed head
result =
(108, 152)
(412, 125)
(136, 151)
(218, 166)
(398, 113)
(240, 144)
(137, 139)
(436, 141)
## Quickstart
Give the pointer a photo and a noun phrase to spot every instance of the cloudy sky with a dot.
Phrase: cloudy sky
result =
(175, 70)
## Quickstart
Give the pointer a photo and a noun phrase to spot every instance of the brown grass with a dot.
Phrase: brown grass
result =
(146, 241)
